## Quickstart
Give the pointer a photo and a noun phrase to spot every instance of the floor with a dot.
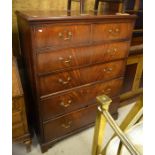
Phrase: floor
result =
(79, 144)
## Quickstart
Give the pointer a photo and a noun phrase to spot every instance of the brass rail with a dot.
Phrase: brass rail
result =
(104, 116)
(127, 143)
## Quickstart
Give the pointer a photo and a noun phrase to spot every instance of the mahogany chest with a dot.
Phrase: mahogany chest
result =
(70, 58)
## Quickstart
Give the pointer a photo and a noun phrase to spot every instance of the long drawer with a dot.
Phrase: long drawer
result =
(78, 98)
(72, 57)
(65, 80)
(69, 122)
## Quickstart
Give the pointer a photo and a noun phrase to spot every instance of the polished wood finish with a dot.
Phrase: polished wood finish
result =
(48, 17)
(20, 132)
(66, 80)
(56, 105)
(114, 31)
(69, 59)
(69, 122)
(64, 35)
(72, 35)
(49, 61)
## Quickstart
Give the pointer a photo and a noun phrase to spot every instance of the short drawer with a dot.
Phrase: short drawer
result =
(61, 35)
(112, 31)
(66, 80)
(72, 57)
(66, 102)
(70, 122)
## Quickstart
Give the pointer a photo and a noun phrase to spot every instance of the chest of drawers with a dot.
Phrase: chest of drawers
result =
(69, 60)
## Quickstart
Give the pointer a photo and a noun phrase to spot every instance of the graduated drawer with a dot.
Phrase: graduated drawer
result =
(78, 98)
(72, 57)
(61, 35)
(69, 122)
(64, 80)
(112, 31)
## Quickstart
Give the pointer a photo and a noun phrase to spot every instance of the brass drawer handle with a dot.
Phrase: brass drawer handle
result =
(108, 70)
(69, 36)
(66, 104)
(112, 50)
(117, 30)
(114, 31)
(67, 61)
(64, 82)
(115, 49)
(67, 125)
(110, 30)
(60, 35)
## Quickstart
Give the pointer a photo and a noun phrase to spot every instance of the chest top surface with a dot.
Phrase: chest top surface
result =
(32, 16)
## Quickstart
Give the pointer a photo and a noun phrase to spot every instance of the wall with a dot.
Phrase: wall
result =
(40, 5)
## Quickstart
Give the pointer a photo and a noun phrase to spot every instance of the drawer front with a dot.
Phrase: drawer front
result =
(61, 35)
(113, 31)
(67, 102)
(72, 57)
(70, 122)
(65, 80)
